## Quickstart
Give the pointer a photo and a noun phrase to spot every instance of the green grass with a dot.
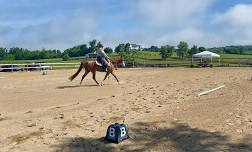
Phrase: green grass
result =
(154, 58)
(143, 57)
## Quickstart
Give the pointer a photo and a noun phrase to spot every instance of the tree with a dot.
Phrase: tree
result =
(166, 51)
(182, 50)
(108, 50)
(120, 48)
(201, 49)
(193, 50)
(8, 57)
(3, 51)
(154, 48)
(65, 57)
(93, 45)
(83, 50)
(127, 48)
(163, 53)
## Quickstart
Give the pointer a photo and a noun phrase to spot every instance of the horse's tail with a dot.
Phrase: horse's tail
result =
(78, 71)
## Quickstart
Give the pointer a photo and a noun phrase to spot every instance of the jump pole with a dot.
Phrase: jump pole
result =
(206, 92)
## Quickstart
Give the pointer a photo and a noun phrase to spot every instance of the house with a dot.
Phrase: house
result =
(135, 47)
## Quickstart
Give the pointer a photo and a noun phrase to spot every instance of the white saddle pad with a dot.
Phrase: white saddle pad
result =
(98, 63)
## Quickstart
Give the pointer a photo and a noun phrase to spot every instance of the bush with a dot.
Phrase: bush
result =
(65, 57)
(211, 65)
(8, 57)
(192, 66)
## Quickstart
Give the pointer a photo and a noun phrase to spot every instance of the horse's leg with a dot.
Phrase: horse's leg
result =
(116, 66)
(115, 76)
(94, 73)
(84, 75)
(107, 74)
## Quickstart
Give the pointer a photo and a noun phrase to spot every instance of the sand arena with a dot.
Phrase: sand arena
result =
(160, 106)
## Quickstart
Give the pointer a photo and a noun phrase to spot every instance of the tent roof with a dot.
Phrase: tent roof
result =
(206, 54)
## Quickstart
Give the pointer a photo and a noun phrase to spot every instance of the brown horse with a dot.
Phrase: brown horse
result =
(117, 60)
(91, 66)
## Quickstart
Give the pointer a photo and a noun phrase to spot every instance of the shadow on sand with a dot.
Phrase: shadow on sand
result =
(76, 86)
(148, 136)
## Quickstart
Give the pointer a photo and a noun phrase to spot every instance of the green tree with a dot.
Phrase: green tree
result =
(92, 45)
(182, 50)
(108, 50)
(127, 48)
(8, 57)
(3, 51)
(193, 50)
(154, 48)
(166, 51)
(201, 49)
(58, 53)
(120, 48)
(65, 57)
(83, 50)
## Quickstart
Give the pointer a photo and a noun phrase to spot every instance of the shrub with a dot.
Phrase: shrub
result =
(65, 57)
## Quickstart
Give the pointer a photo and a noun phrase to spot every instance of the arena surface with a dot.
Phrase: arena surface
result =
(160, 106)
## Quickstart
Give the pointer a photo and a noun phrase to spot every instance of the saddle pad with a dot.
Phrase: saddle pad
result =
(98, 63)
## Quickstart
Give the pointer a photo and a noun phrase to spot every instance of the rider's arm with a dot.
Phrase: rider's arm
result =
(105, 55)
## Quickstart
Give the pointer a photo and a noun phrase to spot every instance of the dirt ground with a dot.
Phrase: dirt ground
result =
(161, 108)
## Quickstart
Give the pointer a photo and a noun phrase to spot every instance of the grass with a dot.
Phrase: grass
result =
(226, 59)
(143, 57)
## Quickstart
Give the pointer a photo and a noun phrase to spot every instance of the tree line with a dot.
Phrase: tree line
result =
(182, 50)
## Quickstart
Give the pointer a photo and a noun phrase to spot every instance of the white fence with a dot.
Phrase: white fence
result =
(36, 66)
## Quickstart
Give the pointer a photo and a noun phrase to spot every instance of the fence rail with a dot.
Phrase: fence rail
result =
(25, 67)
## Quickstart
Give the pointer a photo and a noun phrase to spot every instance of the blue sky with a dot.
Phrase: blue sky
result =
(52, 24)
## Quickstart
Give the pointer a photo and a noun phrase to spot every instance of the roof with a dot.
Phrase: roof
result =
(205, 54)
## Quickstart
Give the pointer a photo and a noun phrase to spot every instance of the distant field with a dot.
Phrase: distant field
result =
(154, 58)
(144, 57)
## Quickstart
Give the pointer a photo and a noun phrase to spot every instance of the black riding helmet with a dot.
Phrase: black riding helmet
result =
(99, 45)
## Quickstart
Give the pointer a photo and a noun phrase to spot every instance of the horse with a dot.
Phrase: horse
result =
(117, 60)
(92, 66)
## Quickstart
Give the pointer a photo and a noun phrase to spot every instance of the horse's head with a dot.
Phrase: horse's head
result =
(117, 60)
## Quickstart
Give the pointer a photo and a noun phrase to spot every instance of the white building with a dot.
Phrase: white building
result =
(135, 47)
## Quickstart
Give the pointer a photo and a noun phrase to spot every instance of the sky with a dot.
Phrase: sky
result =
(61, 24)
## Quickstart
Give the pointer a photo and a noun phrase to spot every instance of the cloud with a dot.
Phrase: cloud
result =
(159, 22)
(57, 31)
(63, 23)
(236, 24)
(179, 13)
(237, 16)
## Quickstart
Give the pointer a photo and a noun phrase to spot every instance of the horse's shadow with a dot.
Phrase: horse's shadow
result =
(76, 86)
(80, 86)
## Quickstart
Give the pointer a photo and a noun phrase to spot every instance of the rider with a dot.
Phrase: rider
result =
(102, 56)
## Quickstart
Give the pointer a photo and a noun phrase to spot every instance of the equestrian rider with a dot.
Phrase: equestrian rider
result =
(102, 56)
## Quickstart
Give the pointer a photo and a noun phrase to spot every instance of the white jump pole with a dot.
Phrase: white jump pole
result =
(206, 92)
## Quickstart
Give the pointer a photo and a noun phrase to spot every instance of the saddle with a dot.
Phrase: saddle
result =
(100, 63)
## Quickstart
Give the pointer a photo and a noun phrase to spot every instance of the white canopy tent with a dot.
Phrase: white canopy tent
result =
(206, 54)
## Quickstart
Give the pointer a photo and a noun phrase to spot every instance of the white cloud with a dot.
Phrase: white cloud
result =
(236, 24)
(61, 24)
(193, 36)
(58, 31)
(237, 16)
(171, 13)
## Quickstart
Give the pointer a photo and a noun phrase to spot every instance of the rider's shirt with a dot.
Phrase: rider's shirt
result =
(100, 52)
